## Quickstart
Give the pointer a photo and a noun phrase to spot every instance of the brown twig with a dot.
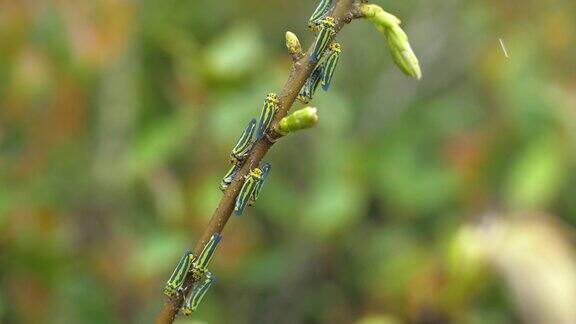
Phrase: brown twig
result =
(344, 12)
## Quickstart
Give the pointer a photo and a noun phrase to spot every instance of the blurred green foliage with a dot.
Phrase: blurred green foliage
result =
(116, 118)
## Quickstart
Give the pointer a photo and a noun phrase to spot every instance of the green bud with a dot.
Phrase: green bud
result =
(300, 119)
(293, 44)
(402, 52)
(396, 39)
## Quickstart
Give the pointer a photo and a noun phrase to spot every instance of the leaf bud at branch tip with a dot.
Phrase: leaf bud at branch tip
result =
(396, 39)
(401, 51)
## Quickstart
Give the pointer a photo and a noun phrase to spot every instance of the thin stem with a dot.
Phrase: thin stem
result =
(343, 13)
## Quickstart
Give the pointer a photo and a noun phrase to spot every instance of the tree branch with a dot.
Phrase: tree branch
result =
(344, 12)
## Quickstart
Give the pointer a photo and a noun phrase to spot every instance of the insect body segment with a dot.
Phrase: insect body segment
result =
(197, 294)
(229, 176)
(200, 272)
(247, 190)
(265, 171)
(207, 253)
(327, 30)
(320, 13)
(244, 143)
(268, 112)
(177, 278)
(329, 65)
(311, 84)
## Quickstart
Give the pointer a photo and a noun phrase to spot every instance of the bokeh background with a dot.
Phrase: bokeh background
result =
(449, 200)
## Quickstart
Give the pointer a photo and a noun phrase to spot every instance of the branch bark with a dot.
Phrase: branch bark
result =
(344, 12)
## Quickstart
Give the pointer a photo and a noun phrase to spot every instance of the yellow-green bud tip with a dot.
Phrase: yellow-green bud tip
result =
(292, 43)
(402, 52)
(301, 119)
